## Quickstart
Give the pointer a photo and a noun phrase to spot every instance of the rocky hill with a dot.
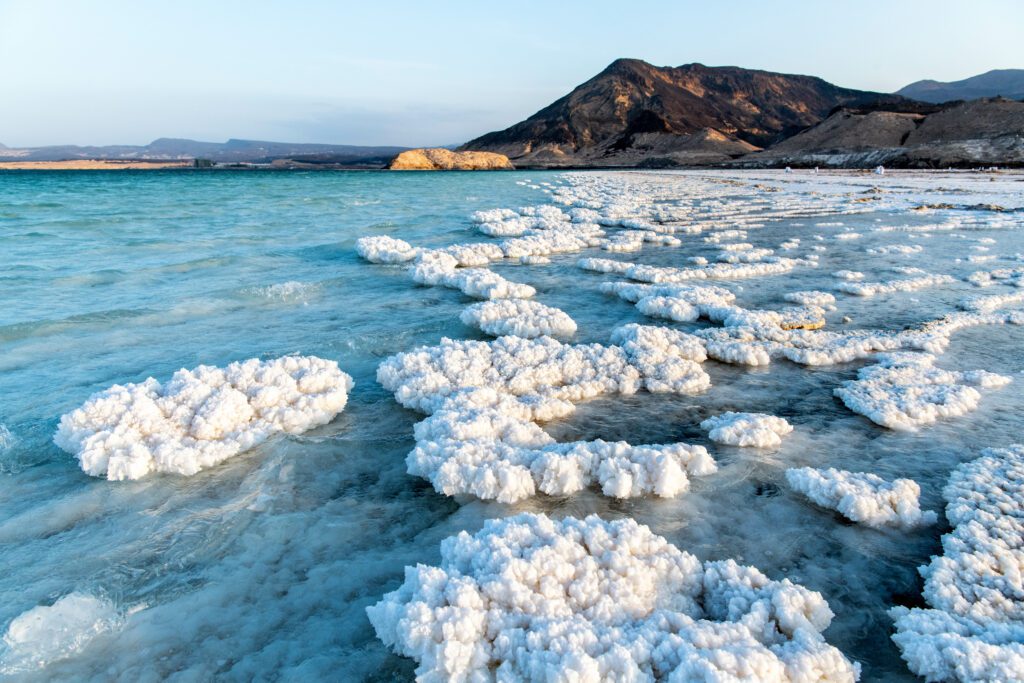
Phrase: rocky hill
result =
(633, 113)
(1008, 83)
(965, 134)
(440, 159)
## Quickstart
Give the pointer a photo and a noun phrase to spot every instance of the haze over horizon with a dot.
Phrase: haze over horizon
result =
(402, 74)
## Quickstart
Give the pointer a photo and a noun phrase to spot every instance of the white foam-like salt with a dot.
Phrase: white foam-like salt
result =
(863, 497)
(747, 429)
(200, 417)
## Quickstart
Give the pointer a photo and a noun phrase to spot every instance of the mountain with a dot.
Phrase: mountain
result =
(1007, 83)
(232, 151)
(984, 132)
(636, 113)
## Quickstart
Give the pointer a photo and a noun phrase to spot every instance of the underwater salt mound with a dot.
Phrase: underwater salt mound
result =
(385, 249)
(530, 598)
(973, 629)
(811, 298)
(49, 633)
(747, 429)
(484, 401)
(519, 317)
(863, 497)
(892, 286)
(200, 417)
(905, 391)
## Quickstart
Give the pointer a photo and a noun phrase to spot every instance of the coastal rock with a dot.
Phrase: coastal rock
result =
(438, 159)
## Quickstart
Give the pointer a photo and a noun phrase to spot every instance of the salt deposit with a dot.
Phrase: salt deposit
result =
(863, 497)
(905, 391)
(530, 598)
(973, 628)
(747, 429)
(200, 417)
(384, 249)
(484, 400)
(519, 317)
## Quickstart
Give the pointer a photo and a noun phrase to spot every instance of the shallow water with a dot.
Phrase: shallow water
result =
(261, 568)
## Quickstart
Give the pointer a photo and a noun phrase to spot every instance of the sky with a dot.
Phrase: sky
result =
(391, 72)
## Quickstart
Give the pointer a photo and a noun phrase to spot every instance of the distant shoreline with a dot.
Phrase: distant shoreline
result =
(92, 165)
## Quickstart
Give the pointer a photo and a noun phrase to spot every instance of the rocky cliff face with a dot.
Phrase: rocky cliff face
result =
(439, 159)
(633, 112)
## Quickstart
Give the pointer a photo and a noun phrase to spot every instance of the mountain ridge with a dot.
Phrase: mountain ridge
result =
(1008, 83)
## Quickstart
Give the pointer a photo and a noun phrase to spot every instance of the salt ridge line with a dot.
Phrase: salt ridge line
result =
(904, 391)
(973, 628)
(529, 598)
(892, 286)
(863, 497)
(200, 417)
(484, 400)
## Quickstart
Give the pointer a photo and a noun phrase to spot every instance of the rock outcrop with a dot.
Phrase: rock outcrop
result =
(633, 113)
(988, 132)
(439, 159)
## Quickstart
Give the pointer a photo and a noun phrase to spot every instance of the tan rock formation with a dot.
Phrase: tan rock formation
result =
(438, 159)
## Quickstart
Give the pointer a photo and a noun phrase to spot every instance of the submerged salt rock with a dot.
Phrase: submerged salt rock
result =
(905, 391)
(530, 598)
(200, 417)
(519, 317)
(863, 497)
(747, 429)
(49, 633)
(973, 629)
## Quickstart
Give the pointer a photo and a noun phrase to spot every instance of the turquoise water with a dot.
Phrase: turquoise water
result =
(261, 568)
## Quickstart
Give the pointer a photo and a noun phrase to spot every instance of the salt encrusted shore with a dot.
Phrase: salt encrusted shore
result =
(202, 416)
(530, 598)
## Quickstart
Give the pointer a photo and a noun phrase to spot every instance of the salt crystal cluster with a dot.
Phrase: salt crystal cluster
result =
(519, 317)
(973, 629)
(905, 391)
(200, 417)
(863, 497)
(530, 598)
(747, 429)
(484, 400)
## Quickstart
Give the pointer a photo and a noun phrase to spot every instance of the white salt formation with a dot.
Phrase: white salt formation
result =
(530, 598)
(905, 391)
(747, 429)
(49, 633)
(384, 249)
(863, 497)
(519, 317)
(200, 417)
(974, 627)
(892, 286)
(485, 400)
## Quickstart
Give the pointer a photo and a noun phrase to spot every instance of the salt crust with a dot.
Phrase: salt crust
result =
(519, 317)
(747, 429)
(530, 598)
(863, 497)
(200, 417)
(905, 391)
(484, 400)
(973, 629)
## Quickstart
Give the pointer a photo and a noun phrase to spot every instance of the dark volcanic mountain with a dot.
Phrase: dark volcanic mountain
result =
(633, 112)
(1008, 83)
(232, 151)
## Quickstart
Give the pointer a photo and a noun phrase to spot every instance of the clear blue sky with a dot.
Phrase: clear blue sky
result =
(421, 73)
